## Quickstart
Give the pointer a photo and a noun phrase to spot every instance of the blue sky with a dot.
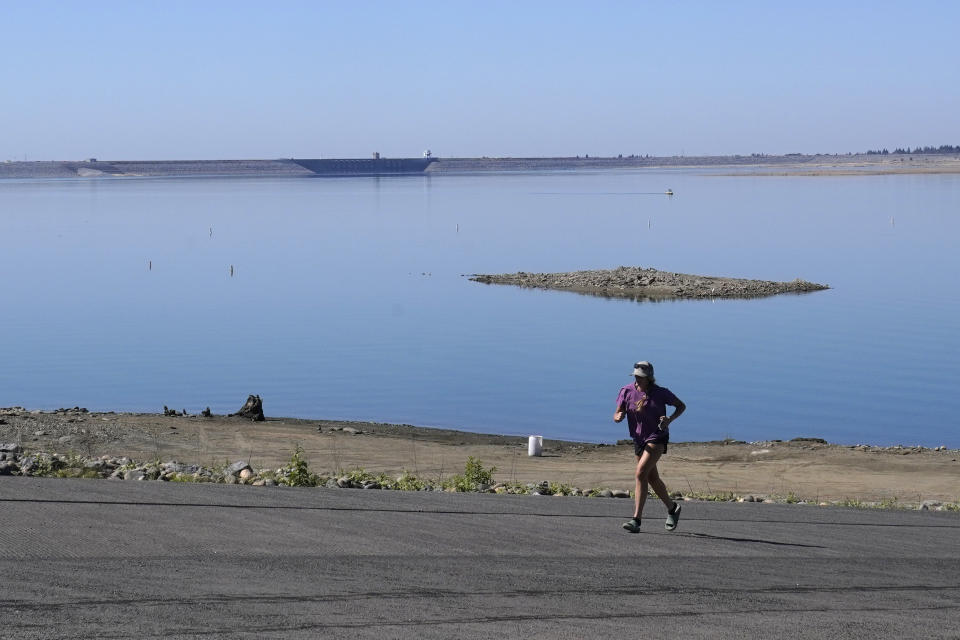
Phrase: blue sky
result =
(183, 80)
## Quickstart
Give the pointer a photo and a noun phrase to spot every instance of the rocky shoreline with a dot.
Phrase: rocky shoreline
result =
(161, 447)
(16, 461)
(475, 478)
(639, 283)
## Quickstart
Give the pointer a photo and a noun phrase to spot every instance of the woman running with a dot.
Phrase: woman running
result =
(644, 404)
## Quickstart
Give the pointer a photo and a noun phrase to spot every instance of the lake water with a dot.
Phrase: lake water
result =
(348, 300)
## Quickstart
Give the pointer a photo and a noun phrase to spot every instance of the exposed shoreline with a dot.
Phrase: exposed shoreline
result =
(734, 165)
(638, 283)
(802, 470)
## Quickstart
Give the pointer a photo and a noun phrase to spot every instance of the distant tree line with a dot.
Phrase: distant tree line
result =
(944, 148)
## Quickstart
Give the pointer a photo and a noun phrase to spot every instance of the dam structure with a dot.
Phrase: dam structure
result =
(282, 167)
(375, 166)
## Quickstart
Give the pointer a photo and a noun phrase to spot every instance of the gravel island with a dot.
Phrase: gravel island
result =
(639, 283)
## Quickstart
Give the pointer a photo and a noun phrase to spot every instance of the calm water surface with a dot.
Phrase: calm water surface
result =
(348, 300)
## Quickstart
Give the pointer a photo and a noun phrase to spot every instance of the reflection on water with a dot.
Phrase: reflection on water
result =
(645, 298)
(344, 298)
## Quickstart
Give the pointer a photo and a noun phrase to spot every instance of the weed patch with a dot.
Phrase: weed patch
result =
(474, 476)
(297, 473)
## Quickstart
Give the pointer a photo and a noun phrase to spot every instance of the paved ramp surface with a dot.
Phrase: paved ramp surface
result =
(94, 558)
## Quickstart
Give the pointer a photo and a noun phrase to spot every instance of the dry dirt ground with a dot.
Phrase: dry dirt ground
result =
(805, 470)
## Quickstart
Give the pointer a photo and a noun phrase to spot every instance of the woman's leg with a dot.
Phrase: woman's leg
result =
(660, 488)
(646, 462)
(639, 493)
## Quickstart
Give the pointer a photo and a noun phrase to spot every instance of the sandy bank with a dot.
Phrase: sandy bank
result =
(799, 470)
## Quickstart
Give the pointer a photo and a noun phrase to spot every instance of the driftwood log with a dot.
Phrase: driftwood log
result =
(252, 409)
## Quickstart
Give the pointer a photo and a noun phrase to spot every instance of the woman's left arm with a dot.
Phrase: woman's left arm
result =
(678, 408)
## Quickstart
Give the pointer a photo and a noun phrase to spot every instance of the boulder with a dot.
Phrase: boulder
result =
(236, 468)
(28, 465)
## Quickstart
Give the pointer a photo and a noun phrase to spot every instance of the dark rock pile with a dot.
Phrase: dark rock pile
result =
(252, 409)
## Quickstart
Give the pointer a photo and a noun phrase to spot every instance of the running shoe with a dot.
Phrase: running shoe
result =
(673, 517)
(632, 525)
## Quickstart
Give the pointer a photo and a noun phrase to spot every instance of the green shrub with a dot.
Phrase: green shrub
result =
(360, 476)
(723, 496)
(474, 475)
(408, 482)
(185, 477)
(298, 471)
(516, 489)
(47, 465)
(75, 472)
(889, 503)
(852, 503)
(558, 488)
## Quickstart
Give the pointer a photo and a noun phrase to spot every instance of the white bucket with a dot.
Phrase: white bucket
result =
(535, 446)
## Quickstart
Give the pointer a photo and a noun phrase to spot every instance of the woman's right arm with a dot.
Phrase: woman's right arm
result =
(620, 413)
